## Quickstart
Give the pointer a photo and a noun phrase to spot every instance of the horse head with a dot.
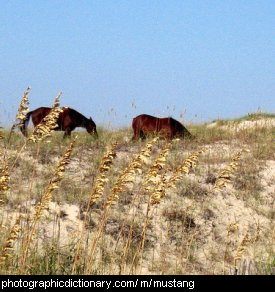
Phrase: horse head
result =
(91, 127)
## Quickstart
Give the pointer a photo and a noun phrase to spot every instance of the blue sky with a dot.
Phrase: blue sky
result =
(206, 59)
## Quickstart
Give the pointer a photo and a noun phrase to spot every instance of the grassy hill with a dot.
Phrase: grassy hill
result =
(202, 206)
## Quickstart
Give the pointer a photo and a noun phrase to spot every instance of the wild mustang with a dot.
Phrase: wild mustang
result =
(68, 120)
(167, 127)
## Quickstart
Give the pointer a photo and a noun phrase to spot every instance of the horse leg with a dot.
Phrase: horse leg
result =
(171, 135)
(142, 135)
(67, 133)
(135, 137)
(136, 134)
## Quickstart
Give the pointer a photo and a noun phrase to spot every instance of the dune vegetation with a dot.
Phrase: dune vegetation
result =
(83, 205)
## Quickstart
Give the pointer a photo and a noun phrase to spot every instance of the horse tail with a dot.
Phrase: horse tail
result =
(23, 127)
(136, 125)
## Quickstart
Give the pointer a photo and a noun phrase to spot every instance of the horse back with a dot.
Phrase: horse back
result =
(39, 114)
(148, 123)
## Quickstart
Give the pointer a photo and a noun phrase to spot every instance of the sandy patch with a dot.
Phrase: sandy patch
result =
(237, 126)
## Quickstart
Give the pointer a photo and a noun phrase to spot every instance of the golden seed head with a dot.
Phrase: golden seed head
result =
(241, 249)
(162, 183)
(226, 174)
(4, 178)
(54, 182)
(22, 110)
(128, 175)
(48, 124)
(189, 163)
(9, 243)
(101, 179)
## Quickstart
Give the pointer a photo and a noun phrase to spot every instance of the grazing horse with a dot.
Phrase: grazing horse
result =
(167, 127)
(68, 120)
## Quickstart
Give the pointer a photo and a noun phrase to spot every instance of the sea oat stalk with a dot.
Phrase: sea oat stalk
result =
(48, 124)
(240, 251)
(244, 245)
(8, 246)
(22, 110)
(226, 174)
(4, 181)
(165, 183)
(101, 179)
(45, 200)
(231, 229)
(127, 177)
(96, 193)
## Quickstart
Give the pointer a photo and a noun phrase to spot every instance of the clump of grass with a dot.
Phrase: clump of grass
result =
(207, 135)
(262, 146)
(247, 178)
(192, 189)
(181, 230)
(51, 259)
(270, 269)
(249, 117)
(256, 116)
(181, 216)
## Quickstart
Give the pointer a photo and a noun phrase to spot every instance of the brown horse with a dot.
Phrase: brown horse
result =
(167, 127)
(68, 120)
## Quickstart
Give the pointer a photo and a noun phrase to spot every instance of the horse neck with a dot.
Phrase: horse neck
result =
(84, 123)
(78, 118)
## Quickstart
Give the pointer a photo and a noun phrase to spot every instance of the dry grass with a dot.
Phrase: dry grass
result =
(22, 111)
(119, 207)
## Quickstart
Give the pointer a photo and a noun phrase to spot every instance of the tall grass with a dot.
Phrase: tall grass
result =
(132, 193)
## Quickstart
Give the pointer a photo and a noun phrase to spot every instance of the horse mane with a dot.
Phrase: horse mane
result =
(177, 125)
(75, 112)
